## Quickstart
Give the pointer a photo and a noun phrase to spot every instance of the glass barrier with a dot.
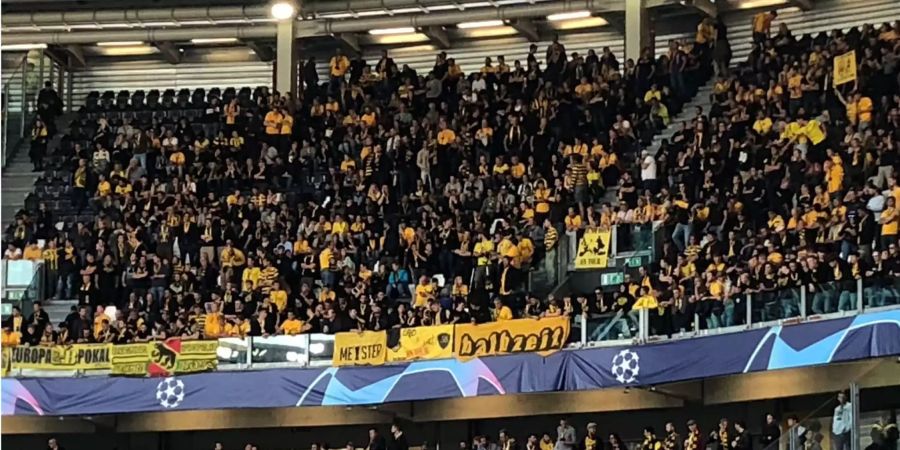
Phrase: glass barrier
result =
(880, 291)
(875, 413)
(22, 283)
(802, 429)
(832, 297)
(758, 309)
(776, 305)
(551, 270)
(234, 350)
(18, 273)
(611, 326)
(605, 329)
(19, 95)
(635, 238)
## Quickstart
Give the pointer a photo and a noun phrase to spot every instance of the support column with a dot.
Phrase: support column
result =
(854, 416)
(286, 58)
(637, 28)
(70, 83)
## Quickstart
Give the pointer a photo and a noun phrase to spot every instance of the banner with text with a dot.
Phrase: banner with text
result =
(543, 336)
(593, 250)
(367, 348)
(845, 68)
(61, 357)
(164, 358)
(408, 344)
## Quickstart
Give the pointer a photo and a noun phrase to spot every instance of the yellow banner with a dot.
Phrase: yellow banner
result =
(543, 336)
(593, 250)
(164, 358)
(130, 359)
(7, 360)
(845, 68)
(61, 357)
(360, 348)
(189, 357)
(435, 342)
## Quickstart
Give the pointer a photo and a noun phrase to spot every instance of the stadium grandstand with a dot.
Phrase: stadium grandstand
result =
(500, 225)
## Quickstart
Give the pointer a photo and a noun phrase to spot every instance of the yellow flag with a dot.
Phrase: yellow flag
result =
(360, 348)
(434, 342)
(542, 336)
(845, 68)
(593, 250)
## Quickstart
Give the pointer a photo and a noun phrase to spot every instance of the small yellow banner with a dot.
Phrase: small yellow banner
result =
(408, 344)
(593, 250)
(61, 357)
(164, 358)
(543, 336)
(360, 348)
(845, 68)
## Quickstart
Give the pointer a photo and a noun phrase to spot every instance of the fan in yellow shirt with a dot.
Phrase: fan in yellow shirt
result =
(889, 221)
(104, 188)
(573, 221)
(214, 324)
(501, 311)
(585, 89)
(446, 136)
(32, 252)
(278, 296)
(339, 65)
(292, 325)
(425, 292)
(237, 327)
(645, 301)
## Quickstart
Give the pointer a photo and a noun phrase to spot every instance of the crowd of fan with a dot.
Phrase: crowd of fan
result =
(723, 435)
(787, 181)
(327, 210)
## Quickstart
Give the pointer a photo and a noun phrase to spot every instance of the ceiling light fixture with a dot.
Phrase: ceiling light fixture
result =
(489, 32)
(751, 4)
(569, 16)
(213, 40)
(589, 22)
(405, 38)
(120, 43)
(388, 31)
(283, 10)
(15, 47)
(480, 24)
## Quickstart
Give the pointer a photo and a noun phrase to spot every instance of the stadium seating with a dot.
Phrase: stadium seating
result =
(235, 207)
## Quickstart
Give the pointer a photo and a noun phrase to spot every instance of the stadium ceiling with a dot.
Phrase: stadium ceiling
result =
(74, 23)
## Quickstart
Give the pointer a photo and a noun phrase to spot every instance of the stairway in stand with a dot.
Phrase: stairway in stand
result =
(688, 112)
(18, 179)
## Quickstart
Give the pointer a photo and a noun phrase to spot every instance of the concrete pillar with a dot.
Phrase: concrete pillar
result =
(286, 58)
(637, 28)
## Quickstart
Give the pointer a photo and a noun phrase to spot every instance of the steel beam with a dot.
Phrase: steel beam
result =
(804, 5)
(526, 28)
(317, 28)
(76, 56)
(438, 36)
(263, 52)
(170, 52)
(145, 35)
(350, 41)
(137, 16)
(705, 6)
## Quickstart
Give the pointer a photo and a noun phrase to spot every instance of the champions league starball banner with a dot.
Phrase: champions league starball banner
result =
(851, 338)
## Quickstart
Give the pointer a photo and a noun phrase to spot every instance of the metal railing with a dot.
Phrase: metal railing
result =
(23, 282)
(14, 108)
(19, 96)
(623, 328)
(741, 312)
